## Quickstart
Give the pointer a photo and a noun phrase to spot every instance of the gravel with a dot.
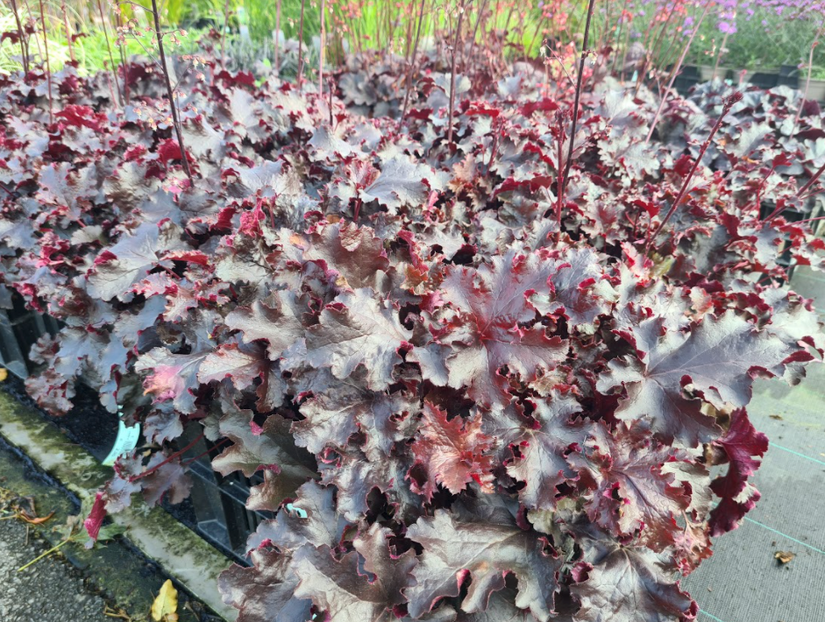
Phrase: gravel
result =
(48, 591)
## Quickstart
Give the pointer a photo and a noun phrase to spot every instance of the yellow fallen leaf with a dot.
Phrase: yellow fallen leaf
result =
(3, 374)
(165, 607)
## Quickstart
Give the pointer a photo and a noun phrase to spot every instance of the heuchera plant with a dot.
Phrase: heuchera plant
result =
(470, 398)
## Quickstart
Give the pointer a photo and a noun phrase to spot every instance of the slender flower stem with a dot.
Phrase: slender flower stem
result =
(811, 181)
(623, 14)
(719, 55)
(729, 102)
(301, 48)
(48, 67)
(217, 445)
(172, 106)
(800, 194)
(330, 87)
(456, 43)
(529, 48)
(321, 53)
(675, 72)
(34, 32)
(277, 38)
(475, 32)
(758, 201)
(507, 21)
(45, 554)
(412, 59)
(478, 19)
(657, 44)
(808, 79)
(579, 80)
(123, 63)
(223, 32)
(109, 48)
(605, 33)
(559, 183)
(625, 48)
(641, 74)
(68, 30)
(24, 45)
(169, 459)
(809, 220)
(408, 38)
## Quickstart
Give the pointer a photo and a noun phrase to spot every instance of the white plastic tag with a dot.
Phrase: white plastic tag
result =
(127, 438)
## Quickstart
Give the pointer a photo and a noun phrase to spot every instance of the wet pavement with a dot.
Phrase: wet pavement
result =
(743, 582)
(51, 590)
(111, 582)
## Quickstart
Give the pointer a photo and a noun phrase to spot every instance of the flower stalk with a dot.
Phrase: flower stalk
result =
(170, 93)
(24, 45)
(112, 66)
(456, 44)
(577, 99)
(408, 77)
(675, 73)
(808, 79)
(277, 38)
(68, 30)
(729, 103)
(301, 48)
(48, 67)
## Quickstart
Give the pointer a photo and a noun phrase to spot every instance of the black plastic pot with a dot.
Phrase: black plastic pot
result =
(789, 76)
(764, 80)
(19, 330)
(216, 509)
(688, 77)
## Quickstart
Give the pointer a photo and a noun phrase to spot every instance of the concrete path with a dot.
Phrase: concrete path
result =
(74, 584)
(743, 582)
(49, 591)
(55, 470)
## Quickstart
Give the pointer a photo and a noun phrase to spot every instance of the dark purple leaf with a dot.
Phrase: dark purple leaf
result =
(739, 447)
(266, 591)
(486, 551)
(344, 593)
(716, 359)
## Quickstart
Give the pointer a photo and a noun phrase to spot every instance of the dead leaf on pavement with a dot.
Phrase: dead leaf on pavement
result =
(118, 613)
(778, 417)
(34, 520)
(165, 607)
(784, 556)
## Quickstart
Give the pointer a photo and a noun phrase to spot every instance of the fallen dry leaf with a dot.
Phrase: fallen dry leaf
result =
(779, 417)
(165, 607)
(784, 556)
(118, 613)
(34, 520)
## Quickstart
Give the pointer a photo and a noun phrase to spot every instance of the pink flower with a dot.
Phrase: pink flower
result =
(95, 519)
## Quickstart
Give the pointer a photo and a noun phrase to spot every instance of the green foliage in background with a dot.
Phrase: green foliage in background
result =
(91, 50)
(255, 17)
(765, 41)
(779, 41)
